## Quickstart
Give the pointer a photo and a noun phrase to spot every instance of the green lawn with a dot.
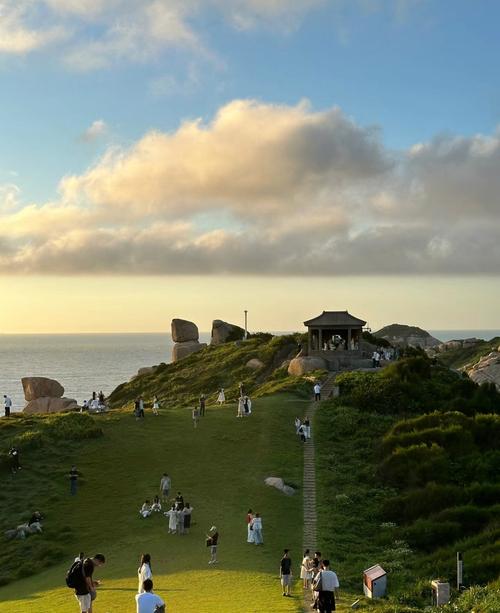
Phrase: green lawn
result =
(219, 467)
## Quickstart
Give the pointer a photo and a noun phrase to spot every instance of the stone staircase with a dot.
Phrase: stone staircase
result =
(328, 386)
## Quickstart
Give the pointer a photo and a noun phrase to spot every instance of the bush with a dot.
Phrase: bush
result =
(422, 502)
(453, 438)
(487, 431)
(32, 439)
(471, 518)
(415, 465)
(428, 534)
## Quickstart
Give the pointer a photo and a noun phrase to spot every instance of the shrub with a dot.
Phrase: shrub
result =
(428, 534)
(453, 438)
(471, 518)
(487, 431)
(415, 465)
(422, 502)
(32, 439)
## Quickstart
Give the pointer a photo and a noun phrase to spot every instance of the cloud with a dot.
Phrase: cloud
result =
(96, 130)
(268, 189)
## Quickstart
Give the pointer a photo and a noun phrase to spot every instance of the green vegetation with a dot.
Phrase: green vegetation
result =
(462, 356)
(410, 493)
(206, 371)
(220, 468)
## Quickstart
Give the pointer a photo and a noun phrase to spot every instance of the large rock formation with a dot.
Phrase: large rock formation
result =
(40, 387)
(303, 365)
(457, 344)
(185, 336)
(184, 331)
(280, 485)
(50, 405)
(487, 370)
(255, 364)
(407, 336)
(223, 332)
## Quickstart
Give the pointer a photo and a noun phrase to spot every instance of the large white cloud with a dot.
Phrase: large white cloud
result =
(268, 189)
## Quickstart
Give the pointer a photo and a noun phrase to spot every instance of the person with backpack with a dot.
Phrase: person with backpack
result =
(326, 584)
(79, 578)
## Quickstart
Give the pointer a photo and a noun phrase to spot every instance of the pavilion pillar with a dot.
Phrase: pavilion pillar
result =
(309, 340)
(320, 341)
(348, 339)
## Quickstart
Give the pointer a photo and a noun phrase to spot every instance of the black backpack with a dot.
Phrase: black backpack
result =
(74, 575)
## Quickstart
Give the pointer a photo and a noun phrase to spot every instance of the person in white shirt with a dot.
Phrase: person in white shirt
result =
(145, 510)
(147, 602)
(144, 571)
(317, 392)
(327, 584)
(7, 403)
(297, 423)
(257, 529)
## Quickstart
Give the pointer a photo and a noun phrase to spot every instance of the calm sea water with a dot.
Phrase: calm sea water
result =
(84, 363)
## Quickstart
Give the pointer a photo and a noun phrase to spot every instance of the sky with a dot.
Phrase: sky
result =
(195, 158)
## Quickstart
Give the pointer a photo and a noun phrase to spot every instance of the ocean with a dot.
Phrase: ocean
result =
(84, 363)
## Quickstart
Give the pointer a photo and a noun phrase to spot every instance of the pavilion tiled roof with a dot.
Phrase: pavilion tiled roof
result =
(335, 319)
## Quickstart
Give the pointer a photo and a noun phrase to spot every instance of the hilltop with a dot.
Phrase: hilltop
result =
(407, 336)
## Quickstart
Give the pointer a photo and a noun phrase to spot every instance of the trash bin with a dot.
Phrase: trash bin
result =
(375, 582)
(440, 592)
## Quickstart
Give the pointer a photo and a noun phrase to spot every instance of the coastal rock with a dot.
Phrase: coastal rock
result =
(254, 364)
(182, 350)
(402, 335)
(41, 387)
(487, 370)
(301, 366)
(223, 332)
(146, 370)
(279, 484)
(183, 331)
(50, 405)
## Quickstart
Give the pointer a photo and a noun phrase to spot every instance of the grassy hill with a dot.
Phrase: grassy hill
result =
(462, 356)
(219, 467)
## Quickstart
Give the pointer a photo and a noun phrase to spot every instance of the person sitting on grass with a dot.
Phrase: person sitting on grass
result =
(156, 506)
(147, 602)
(145, 509)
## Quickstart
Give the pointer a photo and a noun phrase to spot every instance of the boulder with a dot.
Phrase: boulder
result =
(223, 332)
(41, 387)
(183, 331)
(255, 364)
(50, 405)
(279, 484)
(182, 350)
(146, 370)
(303, 365)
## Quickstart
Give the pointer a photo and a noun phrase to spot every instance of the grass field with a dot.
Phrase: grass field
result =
(219, 467)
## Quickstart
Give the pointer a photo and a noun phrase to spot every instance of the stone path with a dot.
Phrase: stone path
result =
(309, 481)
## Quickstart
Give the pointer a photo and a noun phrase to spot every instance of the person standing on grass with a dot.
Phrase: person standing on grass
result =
(7, 405)
(247, 403)
(14, 459)
(297, 423)
(257, 529)
(203, 401)
(165, 487)
(186, 516)
(84, 583)
(306, 569)
(286, 572)
(221, 398)
(250, 516)
(147, 602)
(141, 407)
(73, 480)
(156, 404)
(144, 571)
(212, 542)
(317, 392)
(327, 584)
(196, 417)
(241, 407)
(172, 519)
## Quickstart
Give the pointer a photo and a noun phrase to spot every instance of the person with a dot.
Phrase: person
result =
(94, 405)
(172, 519)
(186, 515)
(316, 567)
(84, 583)
(328, 583)
(240, 388)
(203, 401)
(136, 409)
(286, 572)
(147, 602)
(302, 433)
(14, 459)
(179, 502)
(144, 571)
(73, 480)
(241, 407)
(35, 518)
(165, 487)
(145, 509)
(297, 423)
(141, 407)
(196, 416)
(101, 397)
(212, 542)
(7, 405)
(307, 427)
(247, 406)
(85, 406)
(156, 405)
(306, 569)
(375, 359)
(257, 529)
(156, 506)
(250, 537)
(317, 392)
(221, 398)
(80, 557)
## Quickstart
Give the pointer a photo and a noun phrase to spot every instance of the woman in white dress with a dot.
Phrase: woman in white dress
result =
(241, 407)
(221, 398)
(144, 571)
(172, 520)
(156, 404)
(156, 506)
(306, 569)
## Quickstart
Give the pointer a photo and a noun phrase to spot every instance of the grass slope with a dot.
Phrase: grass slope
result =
(219, 467)
(463, 356)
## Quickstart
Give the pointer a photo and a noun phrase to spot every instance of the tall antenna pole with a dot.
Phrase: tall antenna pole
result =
(246, 327)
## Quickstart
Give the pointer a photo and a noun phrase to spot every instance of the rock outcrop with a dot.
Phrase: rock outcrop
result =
(303, 365)
(41, 387)
(146, 370)
(280, 485)
(50, 405)
(487, 370)
(184, 331)
(456, 344)
(185, 336)
(255, 364)
(224, 332)
(407, 336)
